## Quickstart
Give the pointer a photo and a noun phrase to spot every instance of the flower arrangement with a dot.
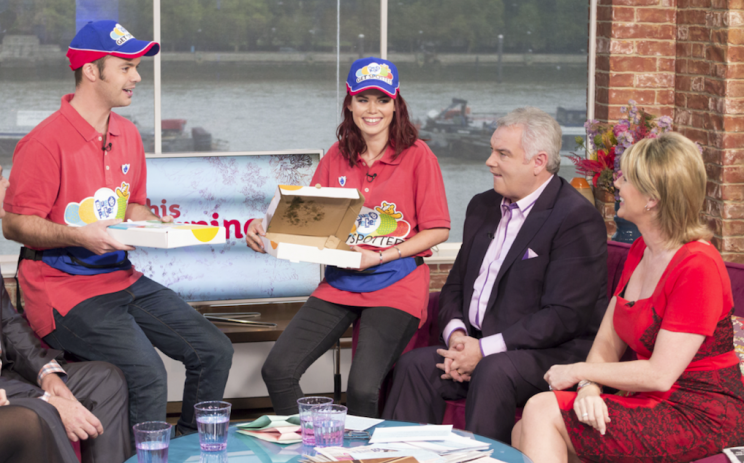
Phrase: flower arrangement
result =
(606, 143)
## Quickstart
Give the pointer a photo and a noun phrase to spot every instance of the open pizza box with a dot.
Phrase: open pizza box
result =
(311, 224)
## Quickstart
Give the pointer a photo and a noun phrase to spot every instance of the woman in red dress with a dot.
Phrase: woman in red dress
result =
(673, 307)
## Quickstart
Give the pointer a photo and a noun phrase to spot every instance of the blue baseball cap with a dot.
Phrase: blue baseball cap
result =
(100, 38)
(375, 73)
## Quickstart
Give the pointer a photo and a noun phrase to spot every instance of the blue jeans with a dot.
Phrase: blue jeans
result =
(122, 328)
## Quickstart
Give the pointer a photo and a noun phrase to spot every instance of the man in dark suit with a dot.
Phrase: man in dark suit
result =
(527, 290)
(76, 401)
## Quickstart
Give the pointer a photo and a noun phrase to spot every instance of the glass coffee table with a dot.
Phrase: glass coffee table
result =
(245, 449)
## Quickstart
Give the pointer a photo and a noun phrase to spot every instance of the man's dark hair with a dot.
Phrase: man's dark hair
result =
(101, 63)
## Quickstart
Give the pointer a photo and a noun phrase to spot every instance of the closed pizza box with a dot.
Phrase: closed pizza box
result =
(312, 224)
(154, 234)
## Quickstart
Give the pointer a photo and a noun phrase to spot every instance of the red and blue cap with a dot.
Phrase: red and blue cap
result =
(101, 38)
(373, 73)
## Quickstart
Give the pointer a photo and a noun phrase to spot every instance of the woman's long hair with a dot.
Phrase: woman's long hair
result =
(402, 134)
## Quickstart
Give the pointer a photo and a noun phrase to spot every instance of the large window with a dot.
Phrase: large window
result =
(255, 75)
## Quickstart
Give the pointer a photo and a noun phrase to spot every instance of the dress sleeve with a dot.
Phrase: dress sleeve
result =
(431, 200)
(694, 296)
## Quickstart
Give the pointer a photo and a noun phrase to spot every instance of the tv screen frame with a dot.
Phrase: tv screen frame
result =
(208, 154)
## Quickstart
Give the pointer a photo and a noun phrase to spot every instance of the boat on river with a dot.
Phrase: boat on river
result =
(457, 133)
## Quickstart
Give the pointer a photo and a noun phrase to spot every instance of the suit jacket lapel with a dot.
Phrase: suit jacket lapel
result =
(537, 216)
(481, 241)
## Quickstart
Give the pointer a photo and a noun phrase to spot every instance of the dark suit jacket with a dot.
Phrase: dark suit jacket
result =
(548, 308)
(22, 354)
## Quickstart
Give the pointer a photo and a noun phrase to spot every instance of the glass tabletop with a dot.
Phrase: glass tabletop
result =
(246, 449)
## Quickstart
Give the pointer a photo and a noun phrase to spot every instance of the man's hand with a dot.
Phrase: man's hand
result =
(167, 219)
(3, 398)
(79, 422)
(465, 354)
(96, 239)
(54, 385)
(253, 235)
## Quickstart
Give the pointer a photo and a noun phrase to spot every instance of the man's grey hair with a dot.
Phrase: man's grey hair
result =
(540, 132)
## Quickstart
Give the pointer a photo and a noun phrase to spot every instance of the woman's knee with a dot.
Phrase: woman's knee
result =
(276, 368)
(540, 407)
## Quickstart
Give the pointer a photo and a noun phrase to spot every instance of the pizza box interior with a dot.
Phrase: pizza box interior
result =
(154, 234)
(311, 224)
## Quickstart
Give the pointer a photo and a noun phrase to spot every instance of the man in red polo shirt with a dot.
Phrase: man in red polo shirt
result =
(78, 172)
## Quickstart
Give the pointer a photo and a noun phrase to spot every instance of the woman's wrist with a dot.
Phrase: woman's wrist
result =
(587, 383)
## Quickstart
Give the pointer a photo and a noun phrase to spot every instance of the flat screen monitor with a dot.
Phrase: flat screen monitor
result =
(225, 189)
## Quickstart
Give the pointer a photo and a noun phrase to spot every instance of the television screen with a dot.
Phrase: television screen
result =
(226, 190)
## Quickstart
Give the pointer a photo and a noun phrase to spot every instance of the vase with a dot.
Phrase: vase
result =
(603, 193)
(626, 231)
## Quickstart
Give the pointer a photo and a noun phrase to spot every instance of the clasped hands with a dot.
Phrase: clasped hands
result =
(589, 406)
(461, 358)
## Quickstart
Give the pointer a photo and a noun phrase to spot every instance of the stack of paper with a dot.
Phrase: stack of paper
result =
(427, 444)
(278, 429)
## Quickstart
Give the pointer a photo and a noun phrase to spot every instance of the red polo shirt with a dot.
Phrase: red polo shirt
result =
(60, 173)
(402, 197)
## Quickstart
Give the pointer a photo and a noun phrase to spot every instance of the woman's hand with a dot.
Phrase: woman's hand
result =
(252, 238)
(369, 258)
(3, 398)
(561, 377)
(591, 409)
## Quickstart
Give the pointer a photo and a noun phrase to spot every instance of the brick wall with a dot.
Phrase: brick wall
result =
(438, 274)
(684, 58)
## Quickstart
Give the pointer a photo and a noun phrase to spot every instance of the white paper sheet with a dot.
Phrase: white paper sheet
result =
(411, 433)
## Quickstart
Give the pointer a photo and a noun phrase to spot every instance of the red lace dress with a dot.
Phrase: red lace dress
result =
(704, 411)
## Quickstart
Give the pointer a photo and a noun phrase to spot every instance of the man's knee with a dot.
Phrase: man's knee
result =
(219, 355)
(110, 378)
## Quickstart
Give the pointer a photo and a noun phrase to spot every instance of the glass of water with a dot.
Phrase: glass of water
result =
(151, 439)
(212, 420)
(328, 424)
(306, 405)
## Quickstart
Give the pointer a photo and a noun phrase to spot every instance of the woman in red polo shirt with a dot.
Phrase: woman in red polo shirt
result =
(405, 214)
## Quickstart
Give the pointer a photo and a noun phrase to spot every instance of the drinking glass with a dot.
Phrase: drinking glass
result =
(328, 424)
(305, 405)
(212, 421)
(151, 439)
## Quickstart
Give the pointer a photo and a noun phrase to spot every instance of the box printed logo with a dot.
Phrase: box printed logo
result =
(382, 227)
(104, 204)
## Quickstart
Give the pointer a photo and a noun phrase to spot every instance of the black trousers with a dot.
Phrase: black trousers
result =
(493, 394)
(26, 436)
(101, 388)
(383, 334)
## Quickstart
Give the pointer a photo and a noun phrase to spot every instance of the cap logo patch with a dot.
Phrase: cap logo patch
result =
(375, 71)
(120, 35)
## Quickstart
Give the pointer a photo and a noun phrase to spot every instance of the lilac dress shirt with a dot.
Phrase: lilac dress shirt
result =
(513, 216)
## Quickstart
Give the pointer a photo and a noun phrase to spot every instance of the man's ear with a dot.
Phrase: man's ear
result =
(90, 72)
(540, 162)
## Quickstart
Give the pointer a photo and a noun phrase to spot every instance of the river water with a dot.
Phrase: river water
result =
(259, 114)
